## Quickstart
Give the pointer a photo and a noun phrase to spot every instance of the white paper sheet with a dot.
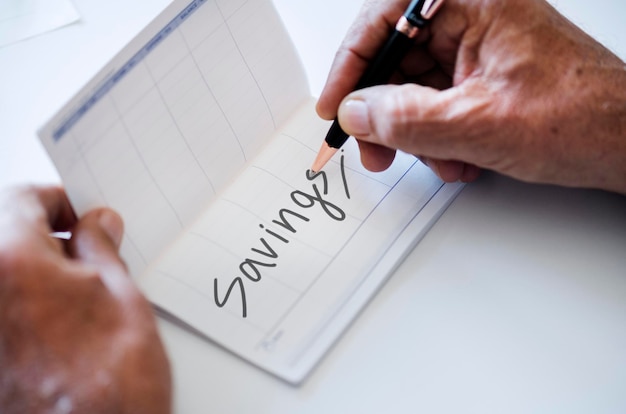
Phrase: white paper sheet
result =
(21, 19)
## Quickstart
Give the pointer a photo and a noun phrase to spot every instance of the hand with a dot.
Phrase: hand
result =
(507, 86)
(75, 333)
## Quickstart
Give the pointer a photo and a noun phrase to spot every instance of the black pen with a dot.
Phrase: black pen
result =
(416, 16)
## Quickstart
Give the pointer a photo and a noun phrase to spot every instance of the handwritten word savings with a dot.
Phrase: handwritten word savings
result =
(288, 219)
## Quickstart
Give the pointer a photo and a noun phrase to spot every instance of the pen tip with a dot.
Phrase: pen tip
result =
(323, 156)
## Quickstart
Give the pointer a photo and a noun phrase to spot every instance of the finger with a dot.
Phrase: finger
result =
(59, 211)
(452, 171)
(447, 125)
(470, 173)
(448, 171)
(365, 37)
(96, 241)
(45, 207)
(375, 157)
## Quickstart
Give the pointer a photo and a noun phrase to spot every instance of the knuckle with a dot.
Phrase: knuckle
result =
(400, 114)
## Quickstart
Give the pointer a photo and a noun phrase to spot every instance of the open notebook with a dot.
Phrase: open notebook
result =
(200, 133)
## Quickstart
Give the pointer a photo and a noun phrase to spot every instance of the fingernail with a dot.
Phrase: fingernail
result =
(111, 223)
(354, 117)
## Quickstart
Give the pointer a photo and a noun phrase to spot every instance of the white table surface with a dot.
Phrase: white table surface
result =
(515, 302)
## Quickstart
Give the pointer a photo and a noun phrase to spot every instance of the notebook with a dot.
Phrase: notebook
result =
(200, 133)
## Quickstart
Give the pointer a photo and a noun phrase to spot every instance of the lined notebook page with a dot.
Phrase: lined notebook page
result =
(200, 134)
(175, 116)
(279, 254)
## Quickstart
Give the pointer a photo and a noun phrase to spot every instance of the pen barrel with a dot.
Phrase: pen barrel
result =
(336, 136)
(386, 61)
(378, 73)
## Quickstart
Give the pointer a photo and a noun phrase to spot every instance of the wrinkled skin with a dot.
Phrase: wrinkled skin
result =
(75, 333)
(510, 86)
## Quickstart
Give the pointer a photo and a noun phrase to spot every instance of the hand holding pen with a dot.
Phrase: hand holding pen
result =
(507, 86)
(382, 66)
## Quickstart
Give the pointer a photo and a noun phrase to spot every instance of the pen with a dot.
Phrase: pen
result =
(416, 16)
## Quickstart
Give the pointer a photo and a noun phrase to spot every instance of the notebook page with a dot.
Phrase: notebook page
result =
(199, 133)
(174, 117)
(280, 262)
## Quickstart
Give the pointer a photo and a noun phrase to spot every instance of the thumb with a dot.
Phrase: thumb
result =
(415, 119)
(96, 239)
